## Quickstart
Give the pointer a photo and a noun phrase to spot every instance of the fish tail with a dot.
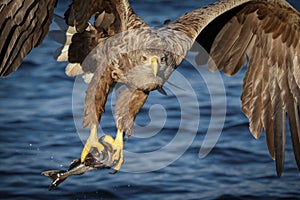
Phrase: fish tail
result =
(57, 177)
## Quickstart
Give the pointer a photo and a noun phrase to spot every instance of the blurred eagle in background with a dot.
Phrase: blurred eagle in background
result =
(118, 47)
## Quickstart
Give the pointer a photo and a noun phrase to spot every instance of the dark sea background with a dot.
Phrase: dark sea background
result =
(40, 129)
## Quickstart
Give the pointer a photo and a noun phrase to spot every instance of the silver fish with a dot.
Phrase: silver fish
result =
(94, 160)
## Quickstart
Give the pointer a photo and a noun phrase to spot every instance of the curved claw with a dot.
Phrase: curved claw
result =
(117, 146)
(110, 151)
(113, 172)
(90, 143)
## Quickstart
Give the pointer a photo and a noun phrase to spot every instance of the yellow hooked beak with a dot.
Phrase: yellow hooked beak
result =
(154, 65)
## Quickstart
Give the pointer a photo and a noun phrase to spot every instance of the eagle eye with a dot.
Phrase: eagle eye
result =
(144, 58)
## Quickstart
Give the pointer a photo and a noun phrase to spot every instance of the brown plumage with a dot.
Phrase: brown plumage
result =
(119, 46)
(266, 33)
(22, 31)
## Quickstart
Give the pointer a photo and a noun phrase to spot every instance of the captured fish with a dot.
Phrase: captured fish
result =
(93, 161)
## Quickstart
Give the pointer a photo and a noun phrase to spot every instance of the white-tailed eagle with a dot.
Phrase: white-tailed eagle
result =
(118, 47)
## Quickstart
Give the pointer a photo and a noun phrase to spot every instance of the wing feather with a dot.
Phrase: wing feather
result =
(23, 24)
(236, 53)
(267, 111)
(295, 129)
(255, 101)
(293, 113)
(279, 127)
(227, 44)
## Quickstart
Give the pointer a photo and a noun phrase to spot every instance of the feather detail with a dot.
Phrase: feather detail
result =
(268, 33)
(24, 25)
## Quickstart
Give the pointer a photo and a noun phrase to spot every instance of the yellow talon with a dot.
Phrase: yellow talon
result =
(92, 141)
(108, 144)
(118, 146)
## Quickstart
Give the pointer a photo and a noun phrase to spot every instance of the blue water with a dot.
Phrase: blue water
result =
(40, 130)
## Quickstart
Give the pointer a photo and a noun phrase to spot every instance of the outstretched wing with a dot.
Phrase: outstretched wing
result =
(268, 33)
(23, 26)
